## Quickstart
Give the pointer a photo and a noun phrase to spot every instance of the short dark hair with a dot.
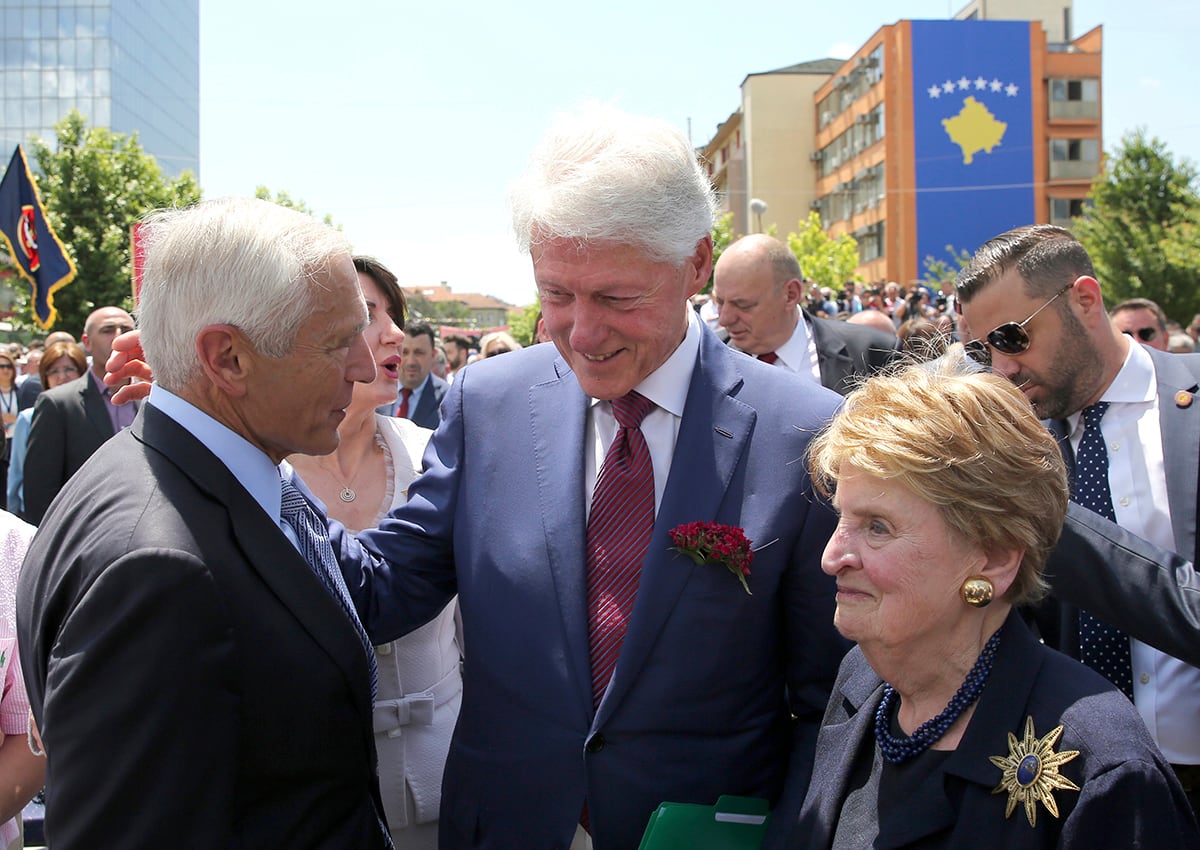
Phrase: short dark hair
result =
(386, 281)
(1142, 304)
(461, 340)
(421, 329)
(1045, 256)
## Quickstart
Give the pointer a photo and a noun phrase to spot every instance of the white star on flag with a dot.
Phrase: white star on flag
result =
(948, 87)
(935, 91)
(964, 83)
(996, 85)
(980, 83)
(1011, 90)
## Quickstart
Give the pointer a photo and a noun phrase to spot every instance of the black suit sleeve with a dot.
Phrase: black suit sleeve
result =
(98, 669)
(1147, 592)
(45, 458)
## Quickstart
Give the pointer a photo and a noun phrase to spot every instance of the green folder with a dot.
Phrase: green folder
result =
(734, 823)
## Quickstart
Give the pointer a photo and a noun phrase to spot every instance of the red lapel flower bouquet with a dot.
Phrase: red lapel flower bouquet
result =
(711, 542)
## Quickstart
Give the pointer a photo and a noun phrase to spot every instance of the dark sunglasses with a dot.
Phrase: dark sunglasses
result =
(7, 366)
(1011, 337)
(1144, 334)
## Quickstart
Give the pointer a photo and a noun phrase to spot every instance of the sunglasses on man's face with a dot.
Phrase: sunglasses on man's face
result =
(1144, 334)
(1011, 337)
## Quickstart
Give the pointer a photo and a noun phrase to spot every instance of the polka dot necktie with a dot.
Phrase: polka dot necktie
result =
(1102, 647)
(618, 532)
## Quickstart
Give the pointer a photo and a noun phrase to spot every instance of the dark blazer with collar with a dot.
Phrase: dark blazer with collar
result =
(701, 701)
(1128, 795)
(28, 391)
(194, 683)
(428, 412)
(846, 352)
(1152, 595)
(69, 423)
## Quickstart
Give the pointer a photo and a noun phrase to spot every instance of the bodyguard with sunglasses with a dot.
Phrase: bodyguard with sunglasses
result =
(1128, 422)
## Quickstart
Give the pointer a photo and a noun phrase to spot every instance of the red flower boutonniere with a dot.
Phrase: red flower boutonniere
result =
(711, 542)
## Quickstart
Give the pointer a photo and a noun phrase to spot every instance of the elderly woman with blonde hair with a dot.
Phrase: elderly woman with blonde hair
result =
(950, 725)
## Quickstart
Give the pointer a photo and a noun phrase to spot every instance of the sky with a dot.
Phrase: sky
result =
(406, 122)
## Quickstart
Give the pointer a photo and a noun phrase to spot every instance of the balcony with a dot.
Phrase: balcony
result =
(1074, 169)
(1074, 110)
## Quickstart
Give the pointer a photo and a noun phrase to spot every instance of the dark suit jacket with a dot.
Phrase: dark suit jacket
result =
(1128, 795)
(428, 414)
(195, 684)
(69, 423)
(28, 391)
(1156, 600)
(846, 352)
(708, 678)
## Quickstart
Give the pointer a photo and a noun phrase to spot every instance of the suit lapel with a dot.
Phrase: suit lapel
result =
(833, 359)
(94, 408)
(558, 418)
(1180, 424)
(267, 551)
(713, 433)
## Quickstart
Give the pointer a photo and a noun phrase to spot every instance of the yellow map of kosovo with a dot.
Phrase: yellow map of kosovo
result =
(974, 129)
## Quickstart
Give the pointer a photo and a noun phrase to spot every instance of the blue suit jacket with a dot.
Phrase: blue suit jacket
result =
(1128, 795)
(427, 413)
(701, 701)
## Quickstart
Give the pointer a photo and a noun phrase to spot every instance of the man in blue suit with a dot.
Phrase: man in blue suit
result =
(716, 689)
(421, 391)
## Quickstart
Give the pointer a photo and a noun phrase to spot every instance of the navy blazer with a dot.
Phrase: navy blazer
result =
(1151, 594)
(195, 683)
(703, 696)
(1128, 797)
(428, 413)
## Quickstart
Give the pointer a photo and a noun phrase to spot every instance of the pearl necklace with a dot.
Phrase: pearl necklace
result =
(898, 749)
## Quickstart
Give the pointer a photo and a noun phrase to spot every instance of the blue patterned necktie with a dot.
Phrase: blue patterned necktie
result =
(313, 536)
(1102, 647)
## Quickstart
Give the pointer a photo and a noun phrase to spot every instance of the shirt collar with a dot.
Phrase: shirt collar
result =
(667, 386)
(1135, 383)
(249, 464)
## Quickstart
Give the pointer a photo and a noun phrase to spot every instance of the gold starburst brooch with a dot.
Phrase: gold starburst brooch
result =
(1031, 771)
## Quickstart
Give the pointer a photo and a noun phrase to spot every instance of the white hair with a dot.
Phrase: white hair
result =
(235, 261)
(607, 176)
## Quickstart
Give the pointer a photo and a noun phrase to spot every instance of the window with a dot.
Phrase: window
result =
(1075, 150)
(1064, 208)
(1080, 91)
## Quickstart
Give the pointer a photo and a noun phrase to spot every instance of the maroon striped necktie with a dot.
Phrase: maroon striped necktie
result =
(618, 533)
(402, 410)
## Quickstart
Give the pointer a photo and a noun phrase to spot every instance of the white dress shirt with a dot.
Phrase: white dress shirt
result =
(799, 353)
(1166, 691)
(667, 386)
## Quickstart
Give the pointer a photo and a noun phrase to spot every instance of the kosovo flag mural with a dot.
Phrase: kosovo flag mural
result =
(972, 132)
(31, 242)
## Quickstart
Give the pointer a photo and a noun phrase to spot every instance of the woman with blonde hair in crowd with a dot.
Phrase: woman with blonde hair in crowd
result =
(950, 724)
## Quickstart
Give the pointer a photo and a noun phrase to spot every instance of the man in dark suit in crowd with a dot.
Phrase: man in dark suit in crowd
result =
(1129, 411)
(421, 391)
(607, 672)
(195, 682)
(758, 290)
(73, 420)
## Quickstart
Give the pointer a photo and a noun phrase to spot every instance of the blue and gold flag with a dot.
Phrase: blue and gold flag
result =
(35, 250)
(972, 132)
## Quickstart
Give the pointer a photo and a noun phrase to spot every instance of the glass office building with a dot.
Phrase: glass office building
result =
(129, 65)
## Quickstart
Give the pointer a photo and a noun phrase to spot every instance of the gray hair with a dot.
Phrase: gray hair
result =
(607, 176)
(236, 261)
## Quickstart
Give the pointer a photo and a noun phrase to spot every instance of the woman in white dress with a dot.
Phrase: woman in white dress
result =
(420, 681)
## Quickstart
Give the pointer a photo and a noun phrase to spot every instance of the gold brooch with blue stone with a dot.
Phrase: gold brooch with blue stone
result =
(1030, 771)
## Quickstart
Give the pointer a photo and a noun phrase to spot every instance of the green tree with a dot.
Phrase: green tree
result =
(938, 269)
(522, 324)
(443, 312)
(1141, 227)
(284, 199)
(95, 184)
(830, 261)
(722, 236)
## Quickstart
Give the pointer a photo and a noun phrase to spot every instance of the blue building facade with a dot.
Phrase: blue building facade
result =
(130, 65)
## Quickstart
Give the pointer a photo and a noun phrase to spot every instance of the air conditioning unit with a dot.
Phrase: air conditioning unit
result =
(826, 117)
(814, 204)
(816, 156)
(865, 118)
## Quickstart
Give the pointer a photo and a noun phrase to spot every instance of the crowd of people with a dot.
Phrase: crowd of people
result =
(334, 579)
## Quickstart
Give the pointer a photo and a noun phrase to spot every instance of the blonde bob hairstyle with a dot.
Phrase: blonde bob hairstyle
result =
(966, 441)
